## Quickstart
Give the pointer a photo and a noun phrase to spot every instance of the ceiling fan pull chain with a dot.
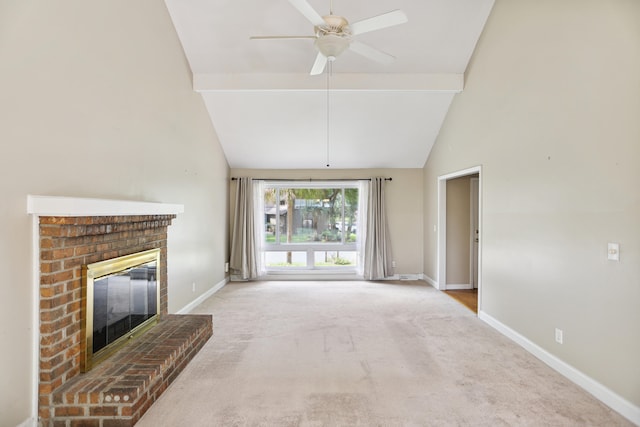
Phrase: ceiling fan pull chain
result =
(329, 72)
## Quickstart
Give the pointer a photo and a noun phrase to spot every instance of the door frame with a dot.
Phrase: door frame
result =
(474, 220)
(441, 261)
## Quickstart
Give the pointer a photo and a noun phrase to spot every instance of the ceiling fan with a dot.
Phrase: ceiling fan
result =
(333, 34)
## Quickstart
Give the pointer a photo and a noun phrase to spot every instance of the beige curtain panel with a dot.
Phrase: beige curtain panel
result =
(378, 262)
(243, 245)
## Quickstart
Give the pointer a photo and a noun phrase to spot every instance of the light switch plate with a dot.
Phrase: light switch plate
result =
(559, 337)
(613, 251)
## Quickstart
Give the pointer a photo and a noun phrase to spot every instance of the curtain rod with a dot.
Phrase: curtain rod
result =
(312, 179)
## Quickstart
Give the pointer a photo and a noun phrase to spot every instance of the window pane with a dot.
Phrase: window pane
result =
(350, 226)
(283, 259)
(273, 219)
(305, 218)
(310, 215)
(345, 259)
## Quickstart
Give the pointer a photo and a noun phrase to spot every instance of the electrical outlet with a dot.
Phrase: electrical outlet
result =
(193, 287)
(393, 264)
(559, 336)
(226, 267)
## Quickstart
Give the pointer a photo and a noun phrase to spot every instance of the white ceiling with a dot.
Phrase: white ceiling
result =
(268, 111)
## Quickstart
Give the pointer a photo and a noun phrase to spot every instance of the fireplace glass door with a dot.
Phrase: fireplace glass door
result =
(122, 298)
(123, 302)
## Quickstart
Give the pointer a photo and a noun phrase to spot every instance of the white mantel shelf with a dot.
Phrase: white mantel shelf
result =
(77, 206)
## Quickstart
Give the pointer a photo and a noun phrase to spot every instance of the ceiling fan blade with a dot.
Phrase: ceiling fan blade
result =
(379, 22)
(308, 12)
(318, 66)
(371, 53)
(280, 37)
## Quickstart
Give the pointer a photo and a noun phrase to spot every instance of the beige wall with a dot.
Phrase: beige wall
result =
(458, 230)
(96, 101)
(550, 110)
(403, 202)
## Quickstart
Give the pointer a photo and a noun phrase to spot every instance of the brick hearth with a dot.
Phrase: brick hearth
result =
(121, 389)
(67, 397)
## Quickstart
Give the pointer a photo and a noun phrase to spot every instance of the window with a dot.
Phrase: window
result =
(311, 226)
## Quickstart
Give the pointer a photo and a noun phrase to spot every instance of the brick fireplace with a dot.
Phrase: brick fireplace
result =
(119, 391)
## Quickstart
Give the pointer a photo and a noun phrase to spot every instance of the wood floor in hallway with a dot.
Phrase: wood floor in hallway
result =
(466, 297)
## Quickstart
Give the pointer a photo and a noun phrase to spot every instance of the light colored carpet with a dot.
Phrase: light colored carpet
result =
(363, 354)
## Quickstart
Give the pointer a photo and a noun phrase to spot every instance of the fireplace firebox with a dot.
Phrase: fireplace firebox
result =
(122, 302)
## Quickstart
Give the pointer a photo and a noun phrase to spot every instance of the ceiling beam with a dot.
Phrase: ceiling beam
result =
(339, 81)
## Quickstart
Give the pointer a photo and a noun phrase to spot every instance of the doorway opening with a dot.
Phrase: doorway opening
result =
(459, 236)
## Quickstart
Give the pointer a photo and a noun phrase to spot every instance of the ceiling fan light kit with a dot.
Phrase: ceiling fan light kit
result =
(332, 45)
(333, 35)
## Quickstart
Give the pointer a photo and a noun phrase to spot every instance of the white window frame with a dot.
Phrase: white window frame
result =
(312, 248)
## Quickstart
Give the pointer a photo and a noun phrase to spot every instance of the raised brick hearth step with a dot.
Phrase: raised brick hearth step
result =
(121, 389)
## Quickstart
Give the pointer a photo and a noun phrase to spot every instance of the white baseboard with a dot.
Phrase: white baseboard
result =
(602, 393)
(458, 286)
(29, 422)
(429, 280)
(193, 304)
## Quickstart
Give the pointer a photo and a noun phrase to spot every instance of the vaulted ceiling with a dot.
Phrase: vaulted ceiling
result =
(269, 113)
